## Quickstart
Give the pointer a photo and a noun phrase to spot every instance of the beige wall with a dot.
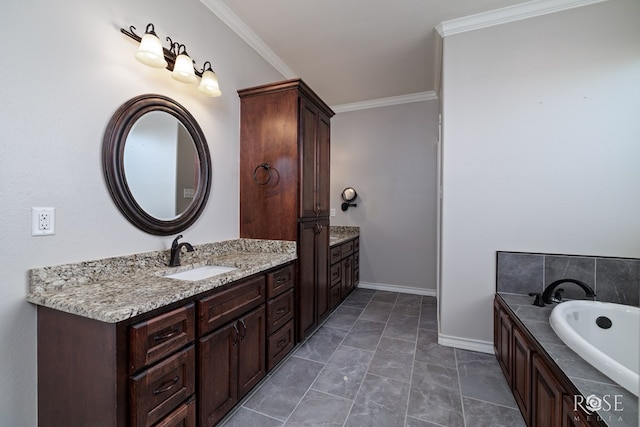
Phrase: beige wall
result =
(66, 69)
(388, 154)
(541, 150)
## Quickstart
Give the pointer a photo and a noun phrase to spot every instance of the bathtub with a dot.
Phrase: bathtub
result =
(604, 334)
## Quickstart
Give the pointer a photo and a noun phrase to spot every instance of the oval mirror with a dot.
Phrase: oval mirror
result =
(157, 164)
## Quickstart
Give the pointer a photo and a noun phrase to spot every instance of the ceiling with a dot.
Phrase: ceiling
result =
(351, 51)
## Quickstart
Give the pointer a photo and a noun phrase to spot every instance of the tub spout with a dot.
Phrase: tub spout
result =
(553, 295)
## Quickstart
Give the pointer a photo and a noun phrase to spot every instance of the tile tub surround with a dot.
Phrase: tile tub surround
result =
(115, 289)
(339, 234)
(587, 379)
(614, 280)
(376, 361)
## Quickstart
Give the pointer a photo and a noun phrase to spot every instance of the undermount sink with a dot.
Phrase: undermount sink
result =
(200, 273)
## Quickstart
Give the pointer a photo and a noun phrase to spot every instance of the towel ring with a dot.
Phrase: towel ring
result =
(266, 167)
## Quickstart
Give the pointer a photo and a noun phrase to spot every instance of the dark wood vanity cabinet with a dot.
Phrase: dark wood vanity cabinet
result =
(344, 271)
(140, 372)
(285, 135)
(186, 364)
(543, 393)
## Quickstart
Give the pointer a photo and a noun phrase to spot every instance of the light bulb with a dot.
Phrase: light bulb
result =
(209, 84)
(150, 51)
(183, 69)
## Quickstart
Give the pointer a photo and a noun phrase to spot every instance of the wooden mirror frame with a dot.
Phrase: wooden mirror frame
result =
(113, 163)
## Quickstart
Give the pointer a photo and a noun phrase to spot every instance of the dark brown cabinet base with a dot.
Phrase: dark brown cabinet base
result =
(186, 364)
(541, 390)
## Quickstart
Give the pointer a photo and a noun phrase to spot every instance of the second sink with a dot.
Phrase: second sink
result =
(200, 273)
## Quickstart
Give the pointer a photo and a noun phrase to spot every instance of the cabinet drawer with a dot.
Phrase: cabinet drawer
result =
(279, 345)
(336, 254)
(347, 248)
(153, 339)
(222, 307)
(279, 311)
(183, 416)
(280, 281)
(334, 295)
(336, 273)
(156, 392)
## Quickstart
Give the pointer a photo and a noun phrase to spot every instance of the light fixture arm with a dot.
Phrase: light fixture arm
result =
(170, 54)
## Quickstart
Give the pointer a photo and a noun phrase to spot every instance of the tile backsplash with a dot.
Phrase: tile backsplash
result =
(613, 279)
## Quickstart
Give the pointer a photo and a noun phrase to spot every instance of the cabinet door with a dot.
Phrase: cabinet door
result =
(322, 267)
(218, 379)
(546, 396)
(572, 416)
(322, 190)
(306, 309)
(313, 270)
(309, 159)
(251, 350)
(521, 375)
(504, 352)
(347, 275)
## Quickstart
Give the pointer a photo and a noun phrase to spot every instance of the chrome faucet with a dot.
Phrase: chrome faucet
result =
(176, 248)
(550, 297)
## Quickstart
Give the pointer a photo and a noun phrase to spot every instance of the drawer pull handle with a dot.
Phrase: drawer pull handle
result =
(281, 310)
(281, 280)
(244, 329)
(235, 338)
(168, 335)
(166, 386)
(281, 343)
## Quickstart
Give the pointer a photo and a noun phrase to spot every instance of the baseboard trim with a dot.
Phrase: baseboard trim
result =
(398, 288)
(466, 343)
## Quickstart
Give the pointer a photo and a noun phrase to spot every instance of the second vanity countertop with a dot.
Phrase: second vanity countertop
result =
(115, 289)
(339, 234)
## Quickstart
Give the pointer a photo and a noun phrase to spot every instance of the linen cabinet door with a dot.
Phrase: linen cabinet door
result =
(309, 207)
(251, 350)
(306, 286)
(322, 267)
(323, 158)
(218, 381)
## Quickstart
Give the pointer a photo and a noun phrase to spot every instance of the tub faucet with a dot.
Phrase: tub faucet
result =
(550, 297)
(176, 248)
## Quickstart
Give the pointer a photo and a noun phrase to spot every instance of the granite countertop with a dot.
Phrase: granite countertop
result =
(339, 234)
(587, 379)
(115, 289)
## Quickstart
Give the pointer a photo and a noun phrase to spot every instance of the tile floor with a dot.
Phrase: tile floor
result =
(376, 362)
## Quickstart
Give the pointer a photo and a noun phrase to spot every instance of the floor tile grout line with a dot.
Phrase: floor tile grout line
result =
(365, 373)
(490, 403)
(413, 364)
(464, 419)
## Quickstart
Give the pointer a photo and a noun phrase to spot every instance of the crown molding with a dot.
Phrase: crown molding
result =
(384, 102)
(508, 14)
(232, 20)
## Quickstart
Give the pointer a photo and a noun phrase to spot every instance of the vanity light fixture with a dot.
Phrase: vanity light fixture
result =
(175, 59)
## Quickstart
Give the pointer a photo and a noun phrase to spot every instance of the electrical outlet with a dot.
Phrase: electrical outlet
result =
(43, 221)
(332, 212)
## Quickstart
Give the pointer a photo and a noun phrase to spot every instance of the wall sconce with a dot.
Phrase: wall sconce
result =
(175, 59)
(348, 195)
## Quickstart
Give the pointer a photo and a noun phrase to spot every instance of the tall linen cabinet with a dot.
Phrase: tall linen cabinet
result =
(284, 184)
